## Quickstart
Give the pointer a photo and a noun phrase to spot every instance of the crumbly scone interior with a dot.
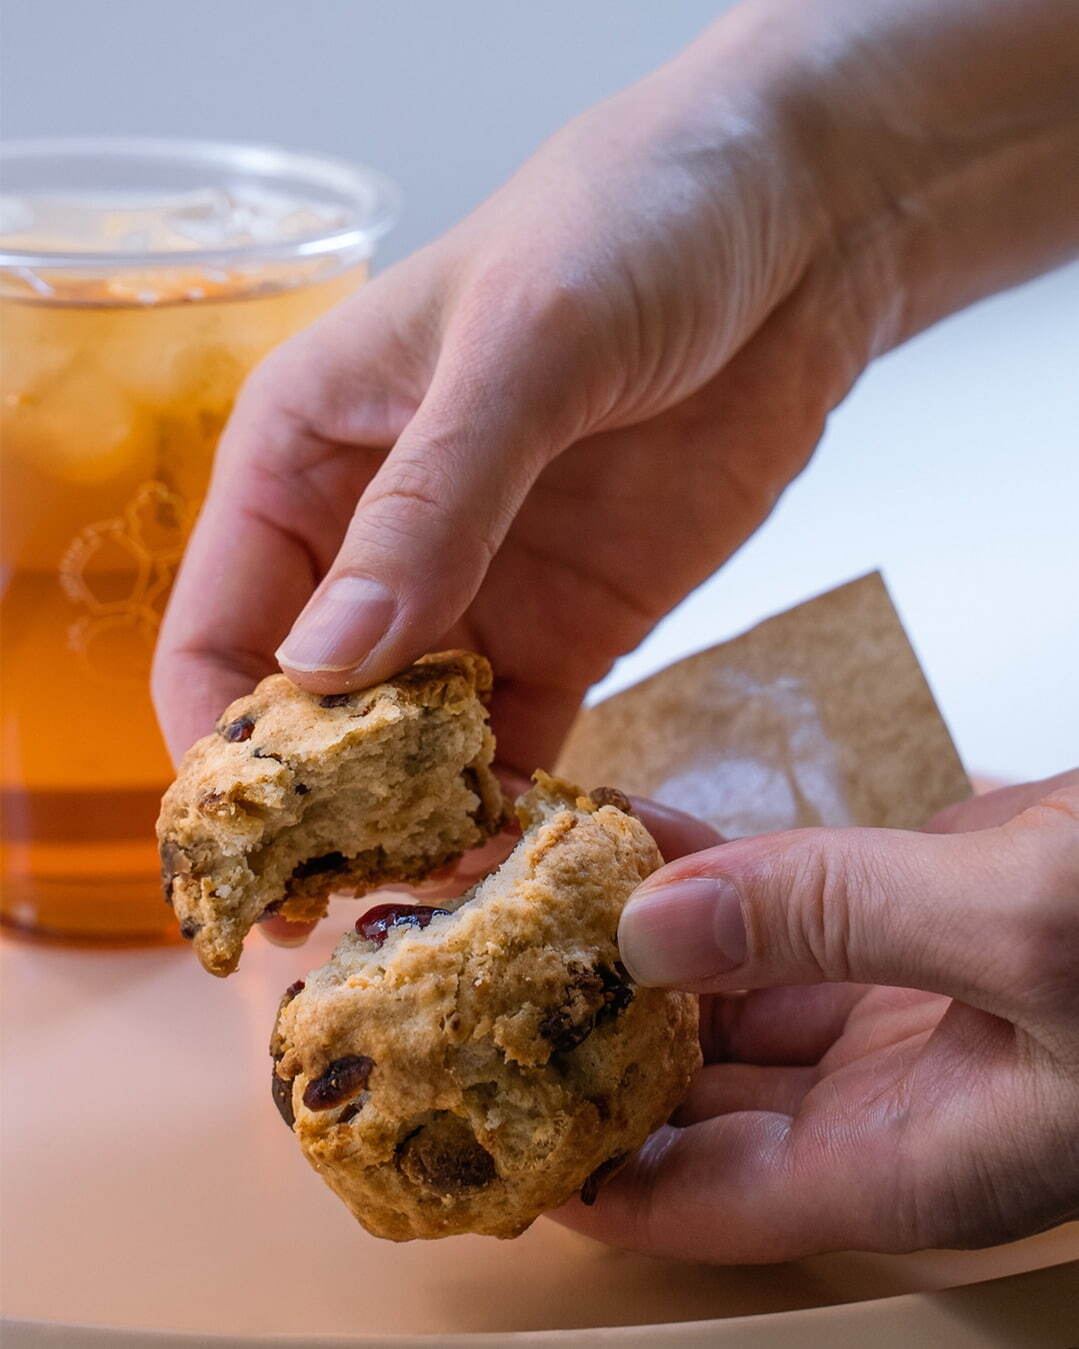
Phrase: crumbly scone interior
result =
(395, 800)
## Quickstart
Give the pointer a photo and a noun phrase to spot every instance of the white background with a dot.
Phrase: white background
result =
(954, 465)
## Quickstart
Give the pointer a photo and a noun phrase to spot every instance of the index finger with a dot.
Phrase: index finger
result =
(675, 832)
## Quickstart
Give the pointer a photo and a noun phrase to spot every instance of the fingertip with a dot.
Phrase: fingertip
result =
(676, 832)
(280, 932)
(615, 1214)
(513, 783)
(334, 645)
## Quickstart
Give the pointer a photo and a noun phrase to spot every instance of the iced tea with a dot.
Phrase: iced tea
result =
(114, 391)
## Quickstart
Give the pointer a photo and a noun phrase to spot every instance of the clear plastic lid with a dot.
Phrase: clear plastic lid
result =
(155, 220)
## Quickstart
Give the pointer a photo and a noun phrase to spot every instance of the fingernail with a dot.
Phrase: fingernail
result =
(340, 627)
(683, 933)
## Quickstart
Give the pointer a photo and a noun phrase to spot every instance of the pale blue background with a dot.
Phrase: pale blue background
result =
(955, 463)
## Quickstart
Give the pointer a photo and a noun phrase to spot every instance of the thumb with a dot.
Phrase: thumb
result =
(430, 522)
(967, 915)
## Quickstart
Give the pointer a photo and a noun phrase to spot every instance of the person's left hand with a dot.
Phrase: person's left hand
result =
(905, 1071)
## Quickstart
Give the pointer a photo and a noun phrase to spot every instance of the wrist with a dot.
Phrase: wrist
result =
(936, 136)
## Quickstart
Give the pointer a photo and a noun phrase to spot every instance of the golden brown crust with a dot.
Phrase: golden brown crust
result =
(295, 796)
(467, 1075)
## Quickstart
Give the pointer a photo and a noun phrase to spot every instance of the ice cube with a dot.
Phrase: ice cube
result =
(164, 222)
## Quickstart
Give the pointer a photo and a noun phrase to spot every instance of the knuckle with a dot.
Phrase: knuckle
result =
(263, 385)
(417, 488)
(536, 331)
(1045, 937)
(416, 503)
(1042, 923)
(819, 914)
(505, 297)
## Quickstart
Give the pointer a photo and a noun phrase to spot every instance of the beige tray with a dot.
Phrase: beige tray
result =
(149, 1184)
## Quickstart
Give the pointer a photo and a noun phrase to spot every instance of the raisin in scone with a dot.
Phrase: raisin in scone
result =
(466, 1070)
(296, 796)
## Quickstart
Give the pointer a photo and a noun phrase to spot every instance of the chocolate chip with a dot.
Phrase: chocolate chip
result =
(260, 752)
(237, 730)
(282, 1098)
(611, 796)
(377, 922)
(445, 1156)
(342, 1079)
(301, 789)
(319, 866)
(270, 911)
(591, 1188)
(190, 928)
(350, 1112)
(334, 699)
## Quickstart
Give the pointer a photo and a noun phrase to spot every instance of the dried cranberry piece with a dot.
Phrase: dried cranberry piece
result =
(334, 699)
(592, 998)
(591, 1188)
(282, 1098)
(445, 1156)
(238, 730)
(293, 989)
(611, 796)
(376, 922)
(618, 991)
(342, 1079)
(562, 1034)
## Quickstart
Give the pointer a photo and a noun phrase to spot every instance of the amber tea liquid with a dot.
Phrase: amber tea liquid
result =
(111, 408)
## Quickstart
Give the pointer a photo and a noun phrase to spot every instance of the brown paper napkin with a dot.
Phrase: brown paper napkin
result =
(818, 716)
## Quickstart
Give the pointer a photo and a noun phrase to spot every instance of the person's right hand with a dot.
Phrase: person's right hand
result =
(529, 438)
(904, 1069)
(534, 437)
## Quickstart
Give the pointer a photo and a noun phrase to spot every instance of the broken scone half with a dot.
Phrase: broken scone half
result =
(468, 1067)
(295, 796)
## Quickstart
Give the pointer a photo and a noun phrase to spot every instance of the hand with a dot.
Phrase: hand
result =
(536, 436)
(572, 448)
(904, 1071)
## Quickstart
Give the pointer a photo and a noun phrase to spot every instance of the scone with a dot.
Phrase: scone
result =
(296, 796)
(464, 1071)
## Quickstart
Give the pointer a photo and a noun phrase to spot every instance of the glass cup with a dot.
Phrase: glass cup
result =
(140, 280)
